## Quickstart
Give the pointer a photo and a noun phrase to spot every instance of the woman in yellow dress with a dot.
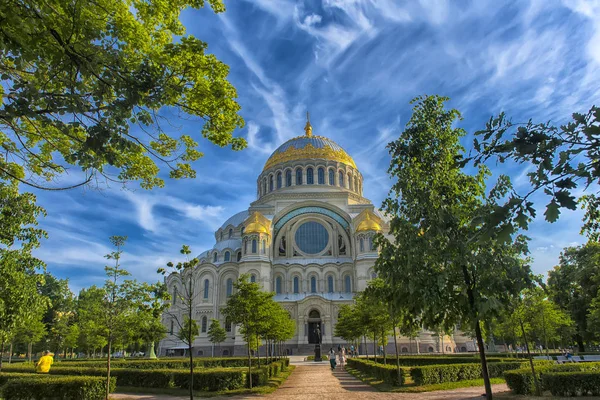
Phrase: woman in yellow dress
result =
(44, 363)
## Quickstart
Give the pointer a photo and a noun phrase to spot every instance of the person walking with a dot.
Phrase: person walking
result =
(332, 361)
(342, 356)
(44, 363)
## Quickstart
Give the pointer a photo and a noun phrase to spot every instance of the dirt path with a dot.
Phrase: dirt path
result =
(317, 381)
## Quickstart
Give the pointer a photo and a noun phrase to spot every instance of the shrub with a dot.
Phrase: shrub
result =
(178, 363)
(210, 381)
(432, 374)
(41, 387)
(387, 373)
(410, 361)
(521, 381)
(572, 383)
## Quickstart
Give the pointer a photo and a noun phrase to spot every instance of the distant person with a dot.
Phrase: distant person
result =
(332, 361)
(44, 363)
(342, 356)
(352, 350)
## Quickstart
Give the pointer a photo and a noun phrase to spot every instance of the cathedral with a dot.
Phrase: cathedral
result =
(308, 238)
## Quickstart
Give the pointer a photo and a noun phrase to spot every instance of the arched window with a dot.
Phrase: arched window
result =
(253, 278)
(221, 236)
(230, 233)
(204, 324)
(227, 257)
(175, 295)
(229, 287)
(271, 183)
(321, 176)
(265, 185)
(356, 184)
(331, 177)
(239, 256)
(330, 284)
(254, 246)
(206, 286)
(341, 179)
(227, 325)
(309, 176)
(264, 247)
(215, 257)
(313, 284)
(347, 284)
(245, 247)
(278, 285)
(349, 181)
(172, 326)
(299, 176)
(288, 178)
(296, 285)
(243, 230)
(279, 180)
(362, 245)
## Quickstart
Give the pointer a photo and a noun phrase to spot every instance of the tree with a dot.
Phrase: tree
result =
(444, 261)
(563, 159)
(30, 331)
(90, 319)
(94, 84)
(248, 307)
(573, 286)
(183, 303)
(216, 334)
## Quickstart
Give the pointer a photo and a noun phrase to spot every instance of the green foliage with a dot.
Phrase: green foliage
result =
(433, 374)
(574, 286)
(521, 381)
(563, 159)
(216, 333)
(41, 387)
(572, 383)
(445, 261)
(386, 373)
(93, 85)
(440, 360)
(188, 331)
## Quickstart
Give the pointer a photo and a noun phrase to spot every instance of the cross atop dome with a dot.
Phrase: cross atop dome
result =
(308, 126)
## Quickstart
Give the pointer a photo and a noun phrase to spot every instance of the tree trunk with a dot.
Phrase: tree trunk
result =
(108, 367)
(366, 347)
(484, 369)
(1, 354)
(397, 357)
(580, 344)
(191, 357)
(10, 351)
(535, 379)
(29, 349)
(249, 365)
(383, 344)
(375, 352)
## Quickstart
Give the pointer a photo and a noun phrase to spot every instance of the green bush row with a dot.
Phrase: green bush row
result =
(180, 363)
(410, 361)
(42, 387)
(215, 379)
(387, 373)
(572, 383)
(432, 374)
(521, 381)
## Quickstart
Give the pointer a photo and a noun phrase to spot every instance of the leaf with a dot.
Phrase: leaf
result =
(552, 211)
(565, 199)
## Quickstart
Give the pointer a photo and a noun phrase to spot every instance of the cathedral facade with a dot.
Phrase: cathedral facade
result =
(308, 238)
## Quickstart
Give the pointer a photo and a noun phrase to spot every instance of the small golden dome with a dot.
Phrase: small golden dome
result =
(255, 226)
(368, 224)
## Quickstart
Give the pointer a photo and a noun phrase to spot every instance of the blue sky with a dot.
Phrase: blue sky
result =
(355, 65)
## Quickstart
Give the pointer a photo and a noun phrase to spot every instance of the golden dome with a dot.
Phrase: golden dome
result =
(309, 146)
(368, 224)
(255, 226)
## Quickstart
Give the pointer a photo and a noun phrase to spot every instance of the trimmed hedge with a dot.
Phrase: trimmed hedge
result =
(387, 373)
(214, 379)
(41, 387)
(432, 374)
(179, 363)
(521, 381)
(410, 361)
(572, 383)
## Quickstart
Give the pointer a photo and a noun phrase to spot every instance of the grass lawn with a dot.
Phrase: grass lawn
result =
(270, 387)
(410, 387)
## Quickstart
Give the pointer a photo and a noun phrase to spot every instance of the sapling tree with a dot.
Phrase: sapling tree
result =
(216, 335)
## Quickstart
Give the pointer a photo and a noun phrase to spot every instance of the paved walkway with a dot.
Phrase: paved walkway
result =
(313, 380)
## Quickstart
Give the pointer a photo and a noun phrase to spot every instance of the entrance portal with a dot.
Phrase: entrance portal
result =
(314, 322)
